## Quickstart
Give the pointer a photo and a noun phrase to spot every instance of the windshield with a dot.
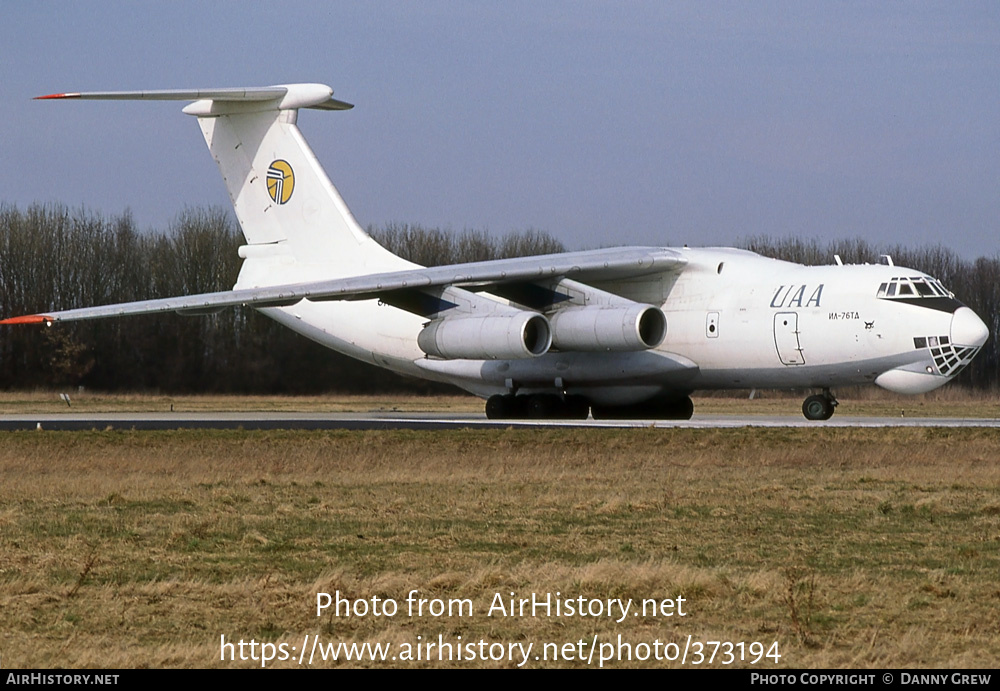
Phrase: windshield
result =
(912, 287)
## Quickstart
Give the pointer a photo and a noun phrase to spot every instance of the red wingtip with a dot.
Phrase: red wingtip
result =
(42, 98)
(30, 319)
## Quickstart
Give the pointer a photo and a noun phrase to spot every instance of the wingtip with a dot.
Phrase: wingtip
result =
(52, 96)
(29, 319)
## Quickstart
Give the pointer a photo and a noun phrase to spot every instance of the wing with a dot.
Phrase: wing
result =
(606, 265)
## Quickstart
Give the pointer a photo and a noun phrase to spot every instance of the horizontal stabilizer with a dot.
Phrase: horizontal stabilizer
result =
(285, 96)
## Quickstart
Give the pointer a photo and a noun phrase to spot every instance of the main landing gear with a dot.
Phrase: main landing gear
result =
(656, 409)
(537, 407)
(554, 407)
(819, 406)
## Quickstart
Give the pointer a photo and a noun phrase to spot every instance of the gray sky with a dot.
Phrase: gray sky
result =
(603, 123)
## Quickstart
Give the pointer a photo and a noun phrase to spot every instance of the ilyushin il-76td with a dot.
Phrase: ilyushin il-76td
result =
(627, 332)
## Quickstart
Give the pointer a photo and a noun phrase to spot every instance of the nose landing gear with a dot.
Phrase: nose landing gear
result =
(819, 406)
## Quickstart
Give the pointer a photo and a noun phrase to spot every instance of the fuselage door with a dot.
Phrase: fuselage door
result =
(786, 338)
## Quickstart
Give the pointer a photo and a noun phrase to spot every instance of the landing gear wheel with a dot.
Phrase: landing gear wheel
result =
(681, 409)
(495, 407)
(543, 406)
(537, 407)
(818, 407)
(576, 408)
(502, 407)
(655, 409)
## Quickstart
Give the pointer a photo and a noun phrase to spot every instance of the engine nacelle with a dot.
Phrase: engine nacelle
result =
(493, 337)
(608, 329)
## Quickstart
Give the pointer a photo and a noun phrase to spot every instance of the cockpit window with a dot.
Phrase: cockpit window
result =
(913, 286)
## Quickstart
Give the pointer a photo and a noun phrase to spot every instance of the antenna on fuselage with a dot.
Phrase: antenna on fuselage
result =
(888, 259)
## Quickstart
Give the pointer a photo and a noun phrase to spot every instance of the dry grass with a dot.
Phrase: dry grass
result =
(850, 548)
(13, 402)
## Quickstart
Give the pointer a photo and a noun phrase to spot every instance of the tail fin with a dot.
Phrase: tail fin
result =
(296, 224)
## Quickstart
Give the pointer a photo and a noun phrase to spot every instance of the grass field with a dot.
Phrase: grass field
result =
(846, 547)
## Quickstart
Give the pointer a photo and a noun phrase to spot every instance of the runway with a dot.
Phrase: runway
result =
(433, 421)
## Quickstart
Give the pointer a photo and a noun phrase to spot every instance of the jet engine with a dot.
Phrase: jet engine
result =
(615, 328)
(493, 337)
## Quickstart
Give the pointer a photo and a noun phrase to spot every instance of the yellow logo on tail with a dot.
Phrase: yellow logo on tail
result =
(280, 181)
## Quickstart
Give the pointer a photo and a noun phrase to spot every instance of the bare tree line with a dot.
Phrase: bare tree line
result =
(54, 258)
(434, 247)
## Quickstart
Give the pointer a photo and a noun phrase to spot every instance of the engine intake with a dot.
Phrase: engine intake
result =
(608, 329)
(493, 337)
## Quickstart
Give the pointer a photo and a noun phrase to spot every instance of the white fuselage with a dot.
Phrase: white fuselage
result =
(735, 320)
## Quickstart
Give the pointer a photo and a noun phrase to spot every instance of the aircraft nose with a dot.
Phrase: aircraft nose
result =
(967, 329)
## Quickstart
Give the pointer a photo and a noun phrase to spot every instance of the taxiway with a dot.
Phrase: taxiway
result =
(433, 421)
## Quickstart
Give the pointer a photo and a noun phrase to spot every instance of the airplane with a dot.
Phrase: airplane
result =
(618, 333)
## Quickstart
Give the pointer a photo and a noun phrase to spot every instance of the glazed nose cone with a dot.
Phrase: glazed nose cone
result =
(967, 329)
